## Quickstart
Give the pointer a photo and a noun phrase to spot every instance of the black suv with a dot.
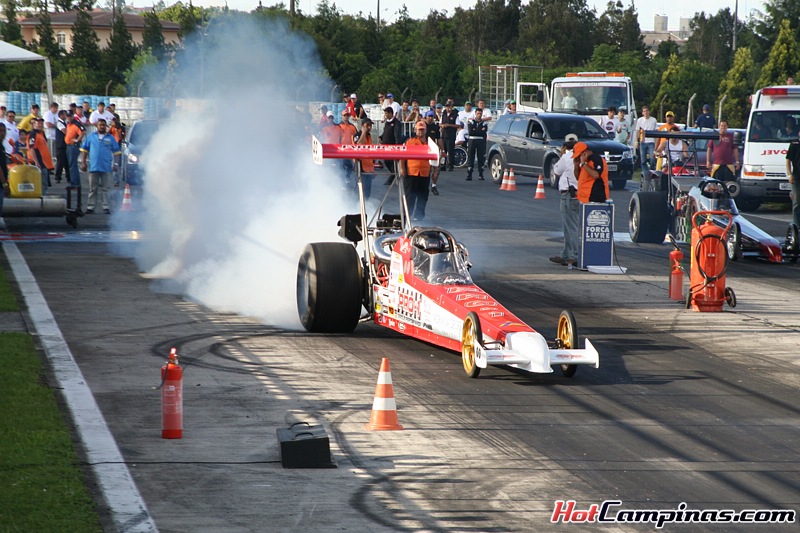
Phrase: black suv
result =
(529, 143)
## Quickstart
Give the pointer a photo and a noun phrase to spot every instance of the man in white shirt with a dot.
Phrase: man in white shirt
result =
(466, 114)
(645, 145)
(487, 114)
(570, 205)
(12, 132)
(100, 113)
(50, 120)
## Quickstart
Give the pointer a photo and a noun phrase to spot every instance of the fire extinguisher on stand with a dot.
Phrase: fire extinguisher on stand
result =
(172, 398)
(707, 290)
(676, 272)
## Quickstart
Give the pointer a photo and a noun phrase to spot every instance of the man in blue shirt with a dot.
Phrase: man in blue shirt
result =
(706, 119)
(101, 147)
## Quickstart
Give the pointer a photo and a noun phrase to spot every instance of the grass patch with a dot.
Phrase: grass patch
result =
(42, 487)
(8, 302)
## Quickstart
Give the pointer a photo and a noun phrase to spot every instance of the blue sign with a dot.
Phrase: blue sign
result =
(597, 235)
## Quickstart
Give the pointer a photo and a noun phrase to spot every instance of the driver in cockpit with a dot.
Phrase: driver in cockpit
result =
(427, 244)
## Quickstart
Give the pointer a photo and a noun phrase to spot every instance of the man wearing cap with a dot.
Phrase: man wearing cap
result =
(415, 174)
(367, 165)
(670, 122)
(330, 131)
(348, 104)
(358, 112)
(477, 130)
(465, 115)
(570, 207)
(592, 174)
(450, 126)
(511, 107)
(394, 105)
(706, 119)
(392, 134)
(433, 132)
(348, 134)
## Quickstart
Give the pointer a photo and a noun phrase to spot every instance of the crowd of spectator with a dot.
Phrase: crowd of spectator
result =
(52, 141)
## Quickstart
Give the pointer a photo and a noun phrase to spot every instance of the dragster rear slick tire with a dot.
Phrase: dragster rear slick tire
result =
(470, 334)
(648, 217)
(567, 333)
(329, 287)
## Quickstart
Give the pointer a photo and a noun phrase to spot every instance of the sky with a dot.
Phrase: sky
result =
(419, 9)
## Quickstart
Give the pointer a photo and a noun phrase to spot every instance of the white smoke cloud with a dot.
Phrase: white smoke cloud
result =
(231, 195)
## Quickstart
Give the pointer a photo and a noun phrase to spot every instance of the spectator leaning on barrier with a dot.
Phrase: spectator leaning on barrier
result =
(706, 119)
(592, 174)
(570, 206)
(101, 147)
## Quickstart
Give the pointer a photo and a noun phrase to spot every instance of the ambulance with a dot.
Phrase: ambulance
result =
(773, 124)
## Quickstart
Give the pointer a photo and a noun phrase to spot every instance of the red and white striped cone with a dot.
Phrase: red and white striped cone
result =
(384, 408)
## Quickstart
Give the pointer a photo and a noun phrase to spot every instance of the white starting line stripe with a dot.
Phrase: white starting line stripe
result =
(128, 510)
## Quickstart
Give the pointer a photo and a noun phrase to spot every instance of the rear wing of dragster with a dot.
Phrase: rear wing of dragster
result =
(395, 152)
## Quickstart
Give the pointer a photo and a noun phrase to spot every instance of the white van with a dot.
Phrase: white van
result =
(774, 121)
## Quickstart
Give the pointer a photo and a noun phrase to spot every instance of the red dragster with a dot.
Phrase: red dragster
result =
(415, 280)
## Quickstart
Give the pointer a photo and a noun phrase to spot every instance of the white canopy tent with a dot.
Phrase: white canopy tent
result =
(14, 54)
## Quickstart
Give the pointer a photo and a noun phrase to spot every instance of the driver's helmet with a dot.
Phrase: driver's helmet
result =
(429, 242)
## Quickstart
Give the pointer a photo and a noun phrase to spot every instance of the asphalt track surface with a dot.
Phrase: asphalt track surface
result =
(700, 408)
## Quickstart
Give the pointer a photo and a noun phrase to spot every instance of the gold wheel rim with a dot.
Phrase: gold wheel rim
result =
(565, 332)
(468, 346)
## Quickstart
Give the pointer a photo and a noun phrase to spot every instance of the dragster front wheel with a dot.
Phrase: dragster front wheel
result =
(567, 333)
(470, 335)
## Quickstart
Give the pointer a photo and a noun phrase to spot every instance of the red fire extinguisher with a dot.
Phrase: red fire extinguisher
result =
(172, 398)
(676, 272)
(707, 291)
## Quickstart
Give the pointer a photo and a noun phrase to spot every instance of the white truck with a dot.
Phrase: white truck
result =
(773, 123)
(500, 83)
(592, 93)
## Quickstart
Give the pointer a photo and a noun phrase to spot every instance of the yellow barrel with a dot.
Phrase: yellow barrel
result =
(25, 181)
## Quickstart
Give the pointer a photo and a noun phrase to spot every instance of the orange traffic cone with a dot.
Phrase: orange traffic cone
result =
(126, 199)
(384, 409)
(504, 185)
(512, 181)
(540, 189)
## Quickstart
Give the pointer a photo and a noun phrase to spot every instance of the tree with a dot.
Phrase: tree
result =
(767, 25)
(784, 58)
(680, 81)
(558, 32)
(12, 32)
(620, 28)
(47, 38)
(667, 49)
(64, 5)
(153, 36)
(711, 39)
(119, 54)
(84, 40)
(738, 85)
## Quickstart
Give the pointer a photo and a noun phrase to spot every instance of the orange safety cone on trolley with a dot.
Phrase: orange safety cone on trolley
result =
(126, 199)
(504, 185)
(512, 181)
(384, 409)
(172, 398)
(540, 189)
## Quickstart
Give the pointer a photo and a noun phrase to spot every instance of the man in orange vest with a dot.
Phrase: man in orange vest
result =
(416, 175)
(39, 152)
(592, 174)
